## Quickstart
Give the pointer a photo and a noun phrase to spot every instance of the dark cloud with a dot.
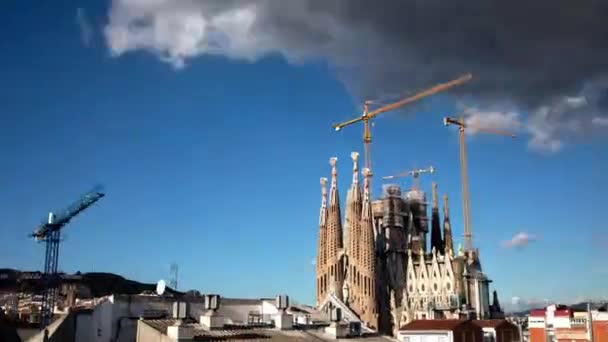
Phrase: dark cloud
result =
(526, 55)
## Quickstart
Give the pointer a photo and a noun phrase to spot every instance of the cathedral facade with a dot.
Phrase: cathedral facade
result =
(379, 268)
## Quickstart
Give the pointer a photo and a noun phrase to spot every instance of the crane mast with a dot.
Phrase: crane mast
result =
(464, 179)
(368, 115)
(50, 232)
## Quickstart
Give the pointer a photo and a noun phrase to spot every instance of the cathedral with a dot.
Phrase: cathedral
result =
(377, 266)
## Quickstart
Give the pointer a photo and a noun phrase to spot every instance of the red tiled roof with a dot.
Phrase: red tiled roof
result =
(434, 324)
(492, 323)
(537, 313)
(561, 313)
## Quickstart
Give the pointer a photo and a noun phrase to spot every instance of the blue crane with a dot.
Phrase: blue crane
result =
(50, 232)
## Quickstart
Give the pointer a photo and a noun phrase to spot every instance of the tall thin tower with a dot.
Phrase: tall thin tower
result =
(367, 278)
(436, 240)
(353, 227)
(334, 236)
(321, 246)
(174, 273)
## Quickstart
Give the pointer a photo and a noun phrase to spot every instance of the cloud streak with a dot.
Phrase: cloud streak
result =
(519, 240)
(86, 31)
(529, 57)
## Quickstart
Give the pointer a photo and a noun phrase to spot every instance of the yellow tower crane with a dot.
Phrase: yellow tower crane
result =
(463, 170)
(412, 173)
(368, 115)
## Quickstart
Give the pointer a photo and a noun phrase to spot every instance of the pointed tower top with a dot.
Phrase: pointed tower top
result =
(332, 162)
(446, 210)
(355, 156)
(435, 200)
(333, 200)
(323, 192)
(323, 211)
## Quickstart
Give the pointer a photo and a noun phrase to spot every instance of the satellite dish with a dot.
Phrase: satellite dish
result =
(160, 287)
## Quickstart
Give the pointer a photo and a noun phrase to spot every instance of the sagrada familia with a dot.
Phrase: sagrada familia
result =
(377, 266)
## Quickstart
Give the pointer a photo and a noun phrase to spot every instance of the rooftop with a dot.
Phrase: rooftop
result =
(491, 323)
(249, 334)
(436, 324)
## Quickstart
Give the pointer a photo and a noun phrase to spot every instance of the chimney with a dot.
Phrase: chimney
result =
(283, 320)
(180, 331)
(211, 319)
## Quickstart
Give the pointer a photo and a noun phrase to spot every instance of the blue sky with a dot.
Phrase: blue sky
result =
(215, 166)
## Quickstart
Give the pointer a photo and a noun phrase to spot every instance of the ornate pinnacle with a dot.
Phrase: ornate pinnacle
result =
(446, 210)
(366, 175)
(332, 162)
(324, 191)
(355, 156)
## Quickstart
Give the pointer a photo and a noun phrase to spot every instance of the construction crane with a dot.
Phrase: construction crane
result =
(50, 232)
(412, 173)
(368, 115)
(464, 171)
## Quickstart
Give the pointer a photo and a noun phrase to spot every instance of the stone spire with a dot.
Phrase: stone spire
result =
(367, 282)
(334, 236)
(321, 245)
(436, 241)
(353, 228)
(495, 302)
(447, 230)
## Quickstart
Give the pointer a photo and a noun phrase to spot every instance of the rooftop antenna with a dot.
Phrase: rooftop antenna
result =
(160, 287)
(174, 272)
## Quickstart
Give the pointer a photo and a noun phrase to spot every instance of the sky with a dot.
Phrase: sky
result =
(211, 151)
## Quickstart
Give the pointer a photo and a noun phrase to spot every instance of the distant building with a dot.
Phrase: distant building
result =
(378, 268)
(559, 323)
(441, 330)
(498, 330)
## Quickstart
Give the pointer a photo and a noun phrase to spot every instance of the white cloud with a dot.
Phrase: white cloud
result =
(515, 300)
(577, 101)
(519, 240)
(181, 30)
(493, 120)
(600, 121)
(86, 31)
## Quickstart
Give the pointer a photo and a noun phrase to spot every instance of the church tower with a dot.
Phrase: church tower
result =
(366, 281)
(436, 241)
(334, 245)
(447, 229)
(321, 261)
(353, 243)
